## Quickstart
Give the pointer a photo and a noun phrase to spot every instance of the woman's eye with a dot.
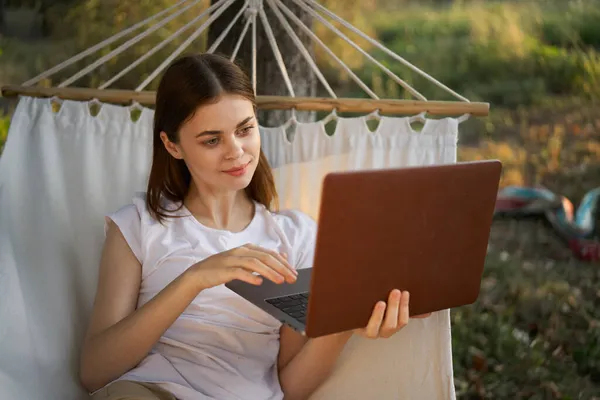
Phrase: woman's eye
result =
(212, 142)
(246, 130)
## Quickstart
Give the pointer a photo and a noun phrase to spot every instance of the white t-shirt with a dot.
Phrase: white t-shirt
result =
(221, 347)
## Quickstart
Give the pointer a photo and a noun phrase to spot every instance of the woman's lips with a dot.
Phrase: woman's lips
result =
(237, 171)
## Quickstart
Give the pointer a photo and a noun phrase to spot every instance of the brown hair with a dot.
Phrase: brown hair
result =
(187, 84)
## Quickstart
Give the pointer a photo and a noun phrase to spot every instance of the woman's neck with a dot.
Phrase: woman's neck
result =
(230, 211)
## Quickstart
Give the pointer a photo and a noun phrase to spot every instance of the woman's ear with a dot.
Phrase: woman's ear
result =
(171, 147)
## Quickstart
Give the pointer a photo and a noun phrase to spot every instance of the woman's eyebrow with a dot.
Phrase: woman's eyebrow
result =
(217, 132)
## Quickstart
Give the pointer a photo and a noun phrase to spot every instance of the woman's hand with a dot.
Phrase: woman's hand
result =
(388, 318)
(241, 263)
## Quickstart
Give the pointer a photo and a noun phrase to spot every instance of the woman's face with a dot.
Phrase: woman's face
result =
(220, 145)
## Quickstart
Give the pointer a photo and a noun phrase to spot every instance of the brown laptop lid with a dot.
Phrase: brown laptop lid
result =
(426, 233)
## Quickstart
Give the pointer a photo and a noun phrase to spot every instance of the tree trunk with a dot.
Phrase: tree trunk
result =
(2, 22)
(269, 79)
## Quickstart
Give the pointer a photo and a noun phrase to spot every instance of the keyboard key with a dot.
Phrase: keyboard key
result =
(292, 309)
(294, 305)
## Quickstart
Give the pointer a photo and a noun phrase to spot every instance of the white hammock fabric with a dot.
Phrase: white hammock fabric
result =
(60, 173)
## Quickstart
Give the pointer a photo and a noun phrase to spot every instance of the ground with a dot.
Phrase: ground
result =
(534, 333)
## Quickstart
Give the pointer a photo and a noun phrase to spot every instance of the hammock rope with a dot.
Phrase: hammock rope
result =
(253, 11)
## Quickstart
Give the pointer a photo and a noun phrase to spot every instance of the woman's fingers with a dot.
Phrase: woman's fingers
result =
(272, 260)
(264, 262)
(278, 256)
(244, 275)
(387, 319)
(254, 264)
(397, 313)
(390, 322)
(403, 314)
(376, 320)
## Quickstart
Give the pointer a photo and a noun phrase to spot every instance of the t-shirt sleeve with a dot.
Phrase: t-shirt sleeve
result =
(301, 231)
(128, 220)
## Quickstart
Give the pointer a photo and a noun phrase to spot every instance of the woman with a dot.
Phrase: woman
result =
(163, 324)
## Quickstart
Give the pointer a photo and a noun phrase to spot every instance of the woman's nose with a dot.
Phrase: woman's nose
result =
(234, 150)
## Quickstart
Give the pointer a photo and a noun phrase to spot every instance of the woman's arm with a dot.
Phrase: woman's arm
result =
(304, 364)
(119, 336)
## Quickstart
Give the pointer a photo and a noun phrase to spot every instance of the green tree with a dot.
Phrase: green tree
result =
(91, 21)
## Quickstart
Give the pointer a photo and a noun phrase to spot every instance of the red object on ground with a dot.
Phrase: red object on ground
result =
(587, 250)
(510, 203)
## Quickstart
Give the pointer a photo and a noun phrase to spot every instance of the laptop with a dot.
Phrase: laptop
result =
(423, 229)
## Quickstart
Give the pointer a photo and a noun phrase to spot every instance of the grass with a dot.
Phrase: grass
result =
(534, 333)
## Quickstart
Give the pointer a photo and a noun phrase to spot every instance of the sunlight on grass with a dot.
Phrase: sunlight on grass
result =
(526, 327)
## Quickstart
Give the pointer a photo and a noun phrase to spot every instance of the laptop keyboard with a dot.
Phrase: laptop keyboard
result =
(293, 305)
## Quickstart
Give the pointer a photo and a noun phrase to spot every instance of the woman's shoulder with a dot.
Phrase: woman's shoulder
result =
(138, 208)
(136, 203)
(128, 218)
(137, 224)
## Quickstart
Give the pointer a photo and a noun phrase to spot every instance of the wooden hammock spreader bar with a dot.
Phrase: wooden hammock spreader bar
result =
(385, 106)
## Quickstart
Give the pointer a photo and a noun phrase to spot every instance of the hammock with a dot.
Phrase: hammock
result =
(62, 171)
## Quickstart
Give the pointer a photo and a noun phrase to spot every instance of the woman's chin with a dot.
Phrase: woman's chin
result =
(238, 180)
(235, 183)
(240, 186)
